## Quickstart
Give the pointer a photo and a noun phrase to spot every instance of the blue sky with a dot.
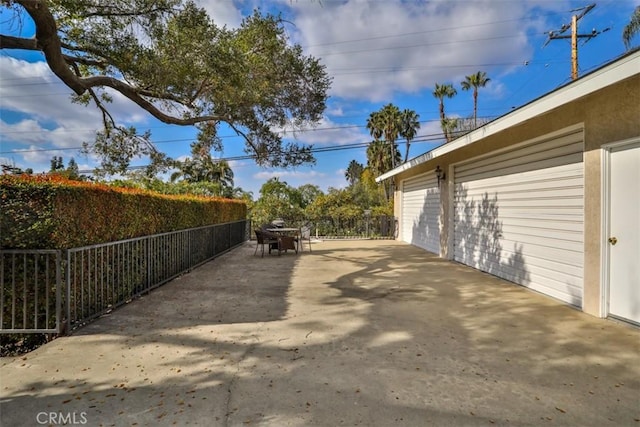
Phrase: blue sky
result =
(377, 52)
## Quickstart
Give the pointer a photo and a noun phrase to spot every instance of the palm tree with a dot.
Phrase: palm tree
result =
(203, 168)
(475, 81)
(632, 28)
(440, 92)
(409, 125)
(449, 126)
(374, 125)
(378, 160)
(386, 123)
(353, 172)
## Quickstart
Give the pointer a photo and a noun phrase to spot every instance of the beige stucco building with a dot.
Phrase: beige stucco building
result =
(547, 196)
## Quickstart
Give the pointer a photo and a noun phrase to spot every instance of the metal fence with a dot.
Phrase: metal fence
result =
(30, 292)
(380, 227)
(98, 278)
(364, 227)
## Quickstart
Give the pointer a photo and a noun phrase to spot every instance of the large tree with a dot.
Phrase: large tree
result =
(172, 60)
(475, 81)
(440, 92)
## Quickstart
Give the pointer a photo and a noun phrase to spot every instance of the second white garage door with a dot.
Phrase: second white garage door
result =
(421, 212)
(519, 215)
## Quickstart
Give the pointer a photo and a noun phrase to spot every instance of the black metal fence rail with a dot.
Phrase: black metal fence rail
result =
(30, 295)
(364, 227)
(63, 290)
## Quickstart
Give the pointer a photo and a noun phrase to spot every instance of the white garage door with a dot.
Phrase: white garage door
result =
(421, 212)
(519, 216)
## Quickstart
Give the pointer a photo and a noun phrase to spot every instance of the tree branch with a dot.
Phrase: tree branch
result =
(8, 42)
(134, 95)
(48, 42)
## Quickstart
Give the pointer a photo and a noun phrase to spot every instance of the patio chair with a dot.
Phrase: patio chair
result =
(305, 234)
(265, 238)
(287, 242)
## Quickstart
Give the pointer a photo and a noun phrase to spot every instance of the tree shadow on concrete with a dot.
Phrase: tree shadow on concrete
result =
(366, 333)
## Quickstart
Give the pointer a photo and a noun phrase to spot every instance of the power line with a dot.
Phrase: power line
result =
(421, 139)
(574, 36)
(167, 141)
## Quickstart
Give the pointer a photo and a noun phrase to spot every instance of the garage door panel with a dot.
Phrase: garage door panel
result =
(545, 225)
(572, 139)
(566, 286)
(520, 215)
(562, 259)
(534, 165)
(556, 152)
(563, 291)
(549, 234)
(421, 212)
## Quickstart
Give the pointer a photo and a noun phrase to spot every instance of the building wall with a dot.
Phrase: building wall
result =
(608, 115)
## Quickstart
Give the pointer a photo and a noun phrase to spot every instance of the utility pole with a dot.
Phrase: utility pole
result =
(559, 34)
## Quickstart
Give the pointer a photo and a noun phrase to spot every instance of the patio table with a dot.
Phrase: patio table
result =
(288, 237)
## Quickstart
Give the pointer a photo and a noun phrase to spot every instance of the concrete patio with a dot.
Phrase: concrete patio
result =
(372, 333)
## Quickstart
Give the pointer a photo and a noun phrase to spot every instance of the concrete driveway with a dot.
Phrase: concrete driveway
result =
(372, 333)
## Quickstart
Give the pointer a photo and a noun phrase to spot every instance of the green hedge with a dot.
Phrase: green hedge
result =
(51, 212)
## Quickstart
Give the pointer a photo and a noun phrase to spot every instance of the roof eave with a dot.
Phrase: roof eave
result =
(618, 70)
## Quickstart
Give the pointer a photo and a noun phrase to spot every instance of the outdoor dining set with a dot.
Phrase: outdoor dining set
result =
(276, 237)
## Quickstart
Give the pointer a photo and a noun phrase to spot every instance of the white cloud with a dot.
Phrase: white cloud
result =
(374, 49)
(222, 12)
(329, 132)
(43, 116)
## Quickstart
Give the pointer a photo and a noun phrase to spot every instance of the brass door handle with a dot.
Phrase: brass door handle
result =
(613, 240)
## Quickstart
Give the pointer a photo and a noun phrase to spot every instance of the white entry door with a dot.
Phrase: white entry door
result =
(624, 233)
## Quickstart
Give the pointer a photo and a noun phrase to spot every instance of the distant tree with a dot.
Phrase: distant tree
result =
(367, 193)
(277, 200)
(12, 169)
(72, 171)
(449, 126)
(172, 60)
(409, 125)
(204, 168)
(475, 81)
(336, 204)
(353, 172)
(440, 92)
(308, 193)
(57, 164)
(632, 28)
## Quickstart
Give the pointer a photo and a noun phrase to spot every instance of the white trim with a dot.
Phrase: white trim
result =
(616, 71)
(605, 215)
